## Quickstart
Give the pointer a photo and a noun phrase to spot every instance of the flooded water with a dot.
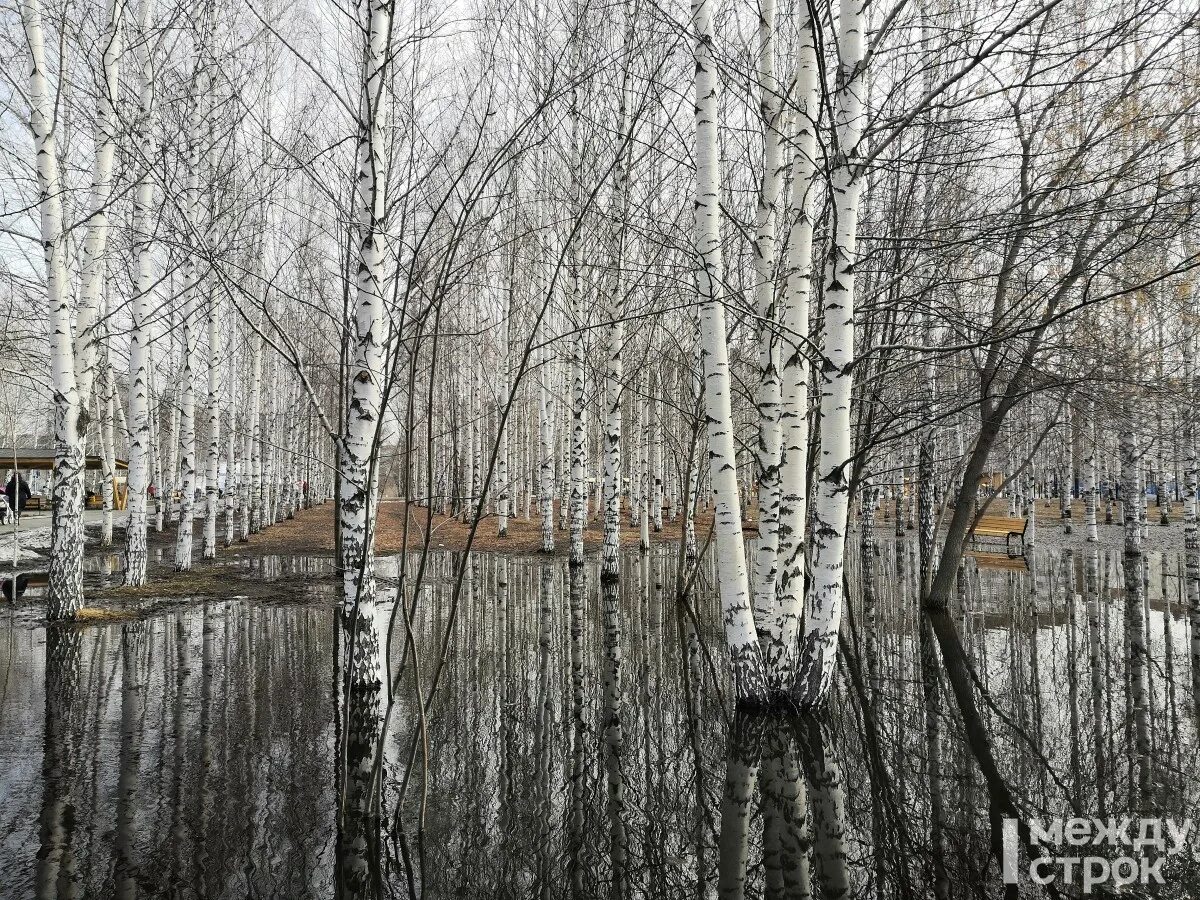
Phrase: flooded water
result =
(579, 746)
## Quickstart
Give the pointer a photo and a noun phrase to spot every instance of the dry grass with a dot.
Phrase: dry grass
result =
(312, 530)
(196, 583)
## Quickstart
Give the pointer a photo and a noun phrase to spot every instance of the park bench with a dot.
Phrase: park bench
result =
(1002, 527)
(38, 502)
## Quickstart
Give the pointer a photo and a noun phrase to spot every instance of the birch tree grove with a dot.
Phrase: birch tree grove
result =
(815, 325)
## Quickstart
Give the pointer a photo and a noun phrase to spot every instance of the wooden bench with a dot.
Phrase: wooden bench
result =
(1002, 527)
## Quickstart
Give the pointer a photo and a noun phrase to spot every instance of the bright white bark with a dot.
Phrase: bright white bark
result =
(656, 453)
(1089, 465)
(578, 450)
(213, 408)
(66, 552)
(768, 390)
(614, 367)
(1191, 527)
(783, 626)
(192, 280)
(252, 513)
(503, 479)
(233, 471)
(141, 309)
(745, 657)
(546, 451)
(89, 313)
(643, 467)
(367, 335)
(106, 405)
(823, 605)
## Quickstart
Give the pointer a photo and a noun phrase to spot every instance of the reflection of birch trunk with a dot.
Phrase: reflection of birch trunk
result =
(358, 852)
(1069, 598)
(132, 710)
(57, 872)
(1092, 584)
(579, 771)
(204, 793)
(786, 841)
(827, 801)
(931, 687)
(542, 746)
(690, 642)
(741, 776)
(1135, 622)
(613, 734)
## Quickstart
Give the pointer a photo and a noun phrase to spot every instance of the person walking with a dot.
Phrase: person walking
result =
(17, 493)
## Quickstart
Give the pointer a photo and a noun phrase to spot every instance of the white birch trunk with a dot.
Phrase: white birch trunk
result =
(89, 313)
(141, 310)
(213, 406)
(233, 471)
(66, 553)
(783, 626)
(1089, 464)
(106, 403)
(643, 473)
(578, 449)
(252, 513)
(614, 367)
(545, 452)
(823, 605)
(503, 487)
(1191, 527)
(745, 657)
(656, 454)
(187, 403)
(368, 334)
(768, 390)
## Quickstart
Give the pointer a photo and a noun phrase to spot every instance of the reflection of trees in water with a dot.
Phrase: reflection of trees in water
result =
(58, 872)
(157, 785)
(358, 856)
(578, 745)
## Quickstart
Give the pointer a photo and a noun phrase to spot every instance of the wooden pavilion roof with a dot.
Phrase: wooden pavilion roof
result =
(26, 458)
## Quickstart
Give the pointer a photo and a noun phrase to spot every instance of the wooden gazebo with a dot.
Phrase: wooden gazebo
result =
(27, 459)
